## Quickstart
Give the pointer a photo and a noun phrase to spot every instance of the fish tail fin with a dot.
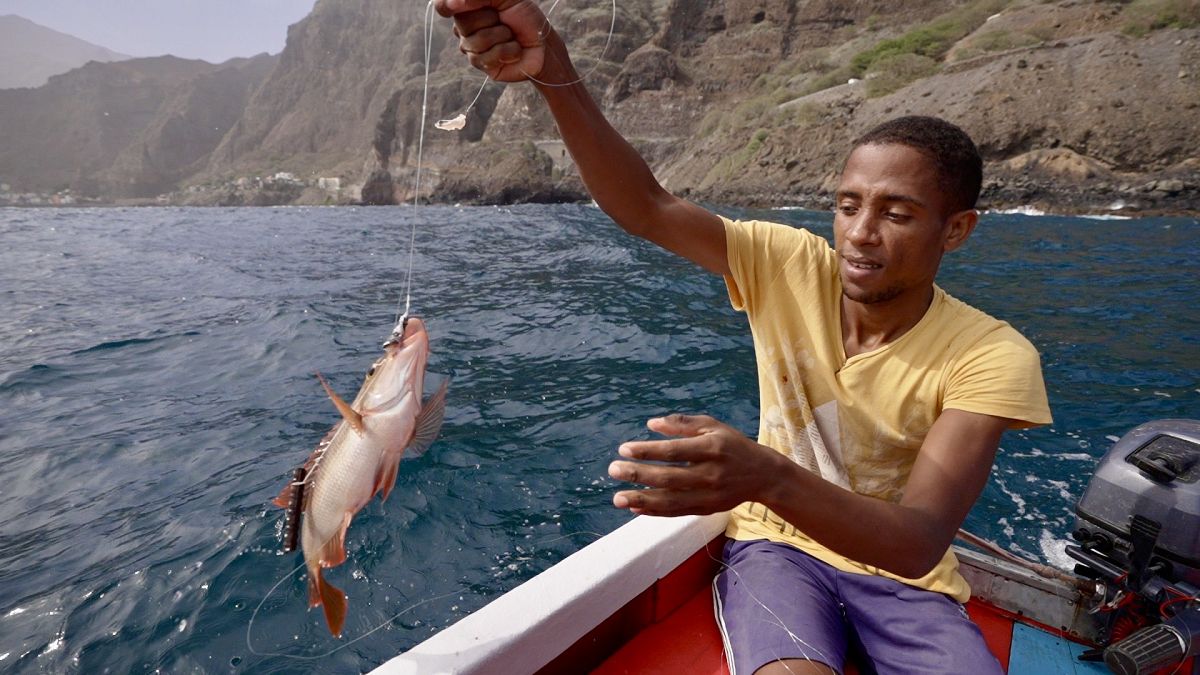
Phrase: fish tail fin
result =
(330, 598)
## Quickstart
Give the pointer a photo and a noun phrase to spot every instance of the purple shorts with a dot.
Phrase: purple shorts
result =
(775, 602)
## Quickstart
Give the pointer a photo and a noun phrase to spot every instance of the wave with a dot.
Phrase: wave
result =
(130, 342)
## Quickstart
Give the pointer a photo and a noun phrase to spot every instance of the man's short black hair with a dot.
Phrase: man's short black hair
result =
(953, 153)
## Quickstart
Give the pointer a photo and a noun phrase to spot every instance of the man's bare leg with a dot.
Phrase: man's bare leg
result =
(795, 667)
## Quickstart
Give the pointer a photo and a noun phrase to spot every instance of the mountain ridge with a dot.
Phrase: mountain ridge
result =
(32, 53)
(1077, 105)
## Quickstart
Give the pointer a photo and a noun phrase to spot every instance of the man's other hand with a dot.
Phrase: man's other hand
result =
(712, 467)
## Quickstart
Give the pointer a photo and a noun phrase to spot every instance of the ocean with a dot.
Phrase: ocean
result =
(157, 388)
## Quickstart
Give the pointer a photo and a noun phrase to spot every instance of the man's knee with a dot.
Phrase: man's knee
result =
(795, 667)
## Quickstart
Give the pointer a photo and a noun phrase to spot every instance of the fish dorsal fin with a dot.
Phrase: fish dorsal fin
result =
(429, 421)
(310, 470)
(352, 418)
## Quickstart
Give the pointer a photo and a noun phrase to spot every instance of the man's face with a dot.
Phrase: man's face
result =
(890, 224)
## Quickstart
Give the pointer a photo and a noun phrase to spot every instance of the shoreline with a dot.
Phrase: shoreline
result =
(1032, 210)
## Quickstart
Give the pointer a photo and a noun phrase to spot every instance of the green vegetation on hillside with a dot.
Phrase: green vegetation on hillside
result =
(917, 53)
(895, 71)
(995, 41)
(733, 163)
(886, 66)
(1144, 16)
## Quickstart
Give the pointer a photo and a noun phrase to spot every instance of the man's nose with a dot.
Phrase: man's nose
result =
(863, 228)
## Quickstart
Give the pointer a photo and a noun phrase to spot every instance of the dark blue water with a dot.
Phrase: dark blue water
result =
(156, 389)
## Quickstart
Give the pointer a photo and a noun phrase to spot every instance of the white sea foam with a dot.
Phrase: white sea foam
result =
(1017, 499)
(1025, 210)
(1104, 216)
(1063, 489)
(55, 644)
(1028, 210)
(1054, 551)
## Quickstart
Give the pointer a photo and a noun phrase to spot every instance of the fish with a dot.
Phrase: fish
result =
(359, 458)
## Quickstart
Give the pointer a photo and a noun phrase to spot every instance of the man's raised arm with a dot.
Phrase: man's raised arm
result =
(511, 41)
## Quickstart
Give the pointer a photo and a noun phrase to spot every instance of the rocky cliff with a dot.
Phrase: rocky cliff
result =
(1077, 105)
(128, 129)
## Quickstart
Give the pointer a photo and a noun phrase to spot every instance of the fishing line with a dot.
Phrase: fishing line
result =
(385, 622)
(427, 38)
(796, 639)
(612, 27)
(452, 124)
(459, 121)
(302, 657)
(543, 542)
(1042, 570)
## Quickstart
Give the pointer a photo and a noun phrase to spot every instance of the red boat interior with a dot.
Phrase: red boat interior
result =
(669, 629)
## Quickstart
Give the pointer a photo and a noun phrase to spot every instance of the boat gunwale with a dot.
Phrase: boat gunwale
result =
(528, 627)
(533, 625)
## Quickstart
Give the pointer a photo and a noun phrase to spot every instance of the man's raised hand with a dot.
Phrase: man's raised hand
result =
(504, 38)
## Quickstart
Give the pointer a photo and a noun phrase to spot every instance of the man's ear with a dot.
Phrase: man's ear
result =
(958, 227)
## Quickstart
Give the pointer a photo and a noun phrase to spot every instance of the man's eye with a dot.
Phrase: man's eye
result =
(847, 210)
(897, 217)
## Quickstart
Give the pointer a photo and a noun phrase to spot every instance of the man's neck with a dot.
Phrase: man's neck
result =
(867, 327)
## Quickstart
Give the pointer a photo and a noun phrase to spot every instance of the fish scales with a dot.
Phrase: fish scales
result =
(360, 457)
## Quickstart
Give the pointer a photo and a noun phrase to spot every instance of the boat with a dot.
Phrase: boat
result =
(639, 600)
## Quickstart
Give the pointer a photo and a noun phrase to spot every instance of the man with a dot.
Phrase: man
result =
(883, 399)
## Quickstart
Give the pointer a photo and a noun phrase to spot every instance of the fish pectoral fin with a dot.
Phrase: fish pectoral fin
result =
(349, 414)
(429, 421)
(330, 598)
(387, 479)
(333, 551)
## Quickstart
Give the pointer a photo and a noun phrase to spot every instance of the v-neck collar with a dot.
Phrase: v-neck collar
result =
(938, 298)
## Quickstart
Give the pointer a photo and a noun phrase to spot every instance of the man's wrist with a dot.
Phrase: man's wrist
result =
(557, 69)
(783, 475)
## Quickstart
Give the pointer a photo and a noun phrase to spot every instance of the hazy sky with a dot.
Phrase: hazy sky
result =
(213, 30)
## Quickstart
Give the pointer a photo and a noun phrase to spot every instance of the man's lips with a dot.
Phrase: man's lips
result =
(858, 263)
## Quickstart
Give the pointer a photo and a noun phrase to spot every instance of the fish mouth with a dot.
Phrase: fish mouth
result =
(412, 327)
(407, 327)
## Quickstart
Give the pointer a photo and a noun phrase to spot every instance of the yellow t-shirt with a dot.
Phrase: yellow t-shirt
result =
(860, 422)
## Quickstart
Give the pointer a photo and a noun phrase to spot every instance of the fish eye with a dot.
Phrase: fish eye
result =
(371, 371)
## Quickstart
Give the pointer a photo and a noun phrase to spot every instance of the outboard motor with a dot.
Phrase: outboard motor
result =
(1138, 532)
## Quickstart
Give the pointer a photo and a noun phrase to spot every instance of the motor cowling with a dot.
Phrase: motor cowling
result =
(1138, 531)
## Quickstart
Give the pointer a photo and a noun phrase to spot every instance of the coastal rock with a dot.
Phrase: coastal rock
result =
(1075, 105)
(648, 68)
(524, 173)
